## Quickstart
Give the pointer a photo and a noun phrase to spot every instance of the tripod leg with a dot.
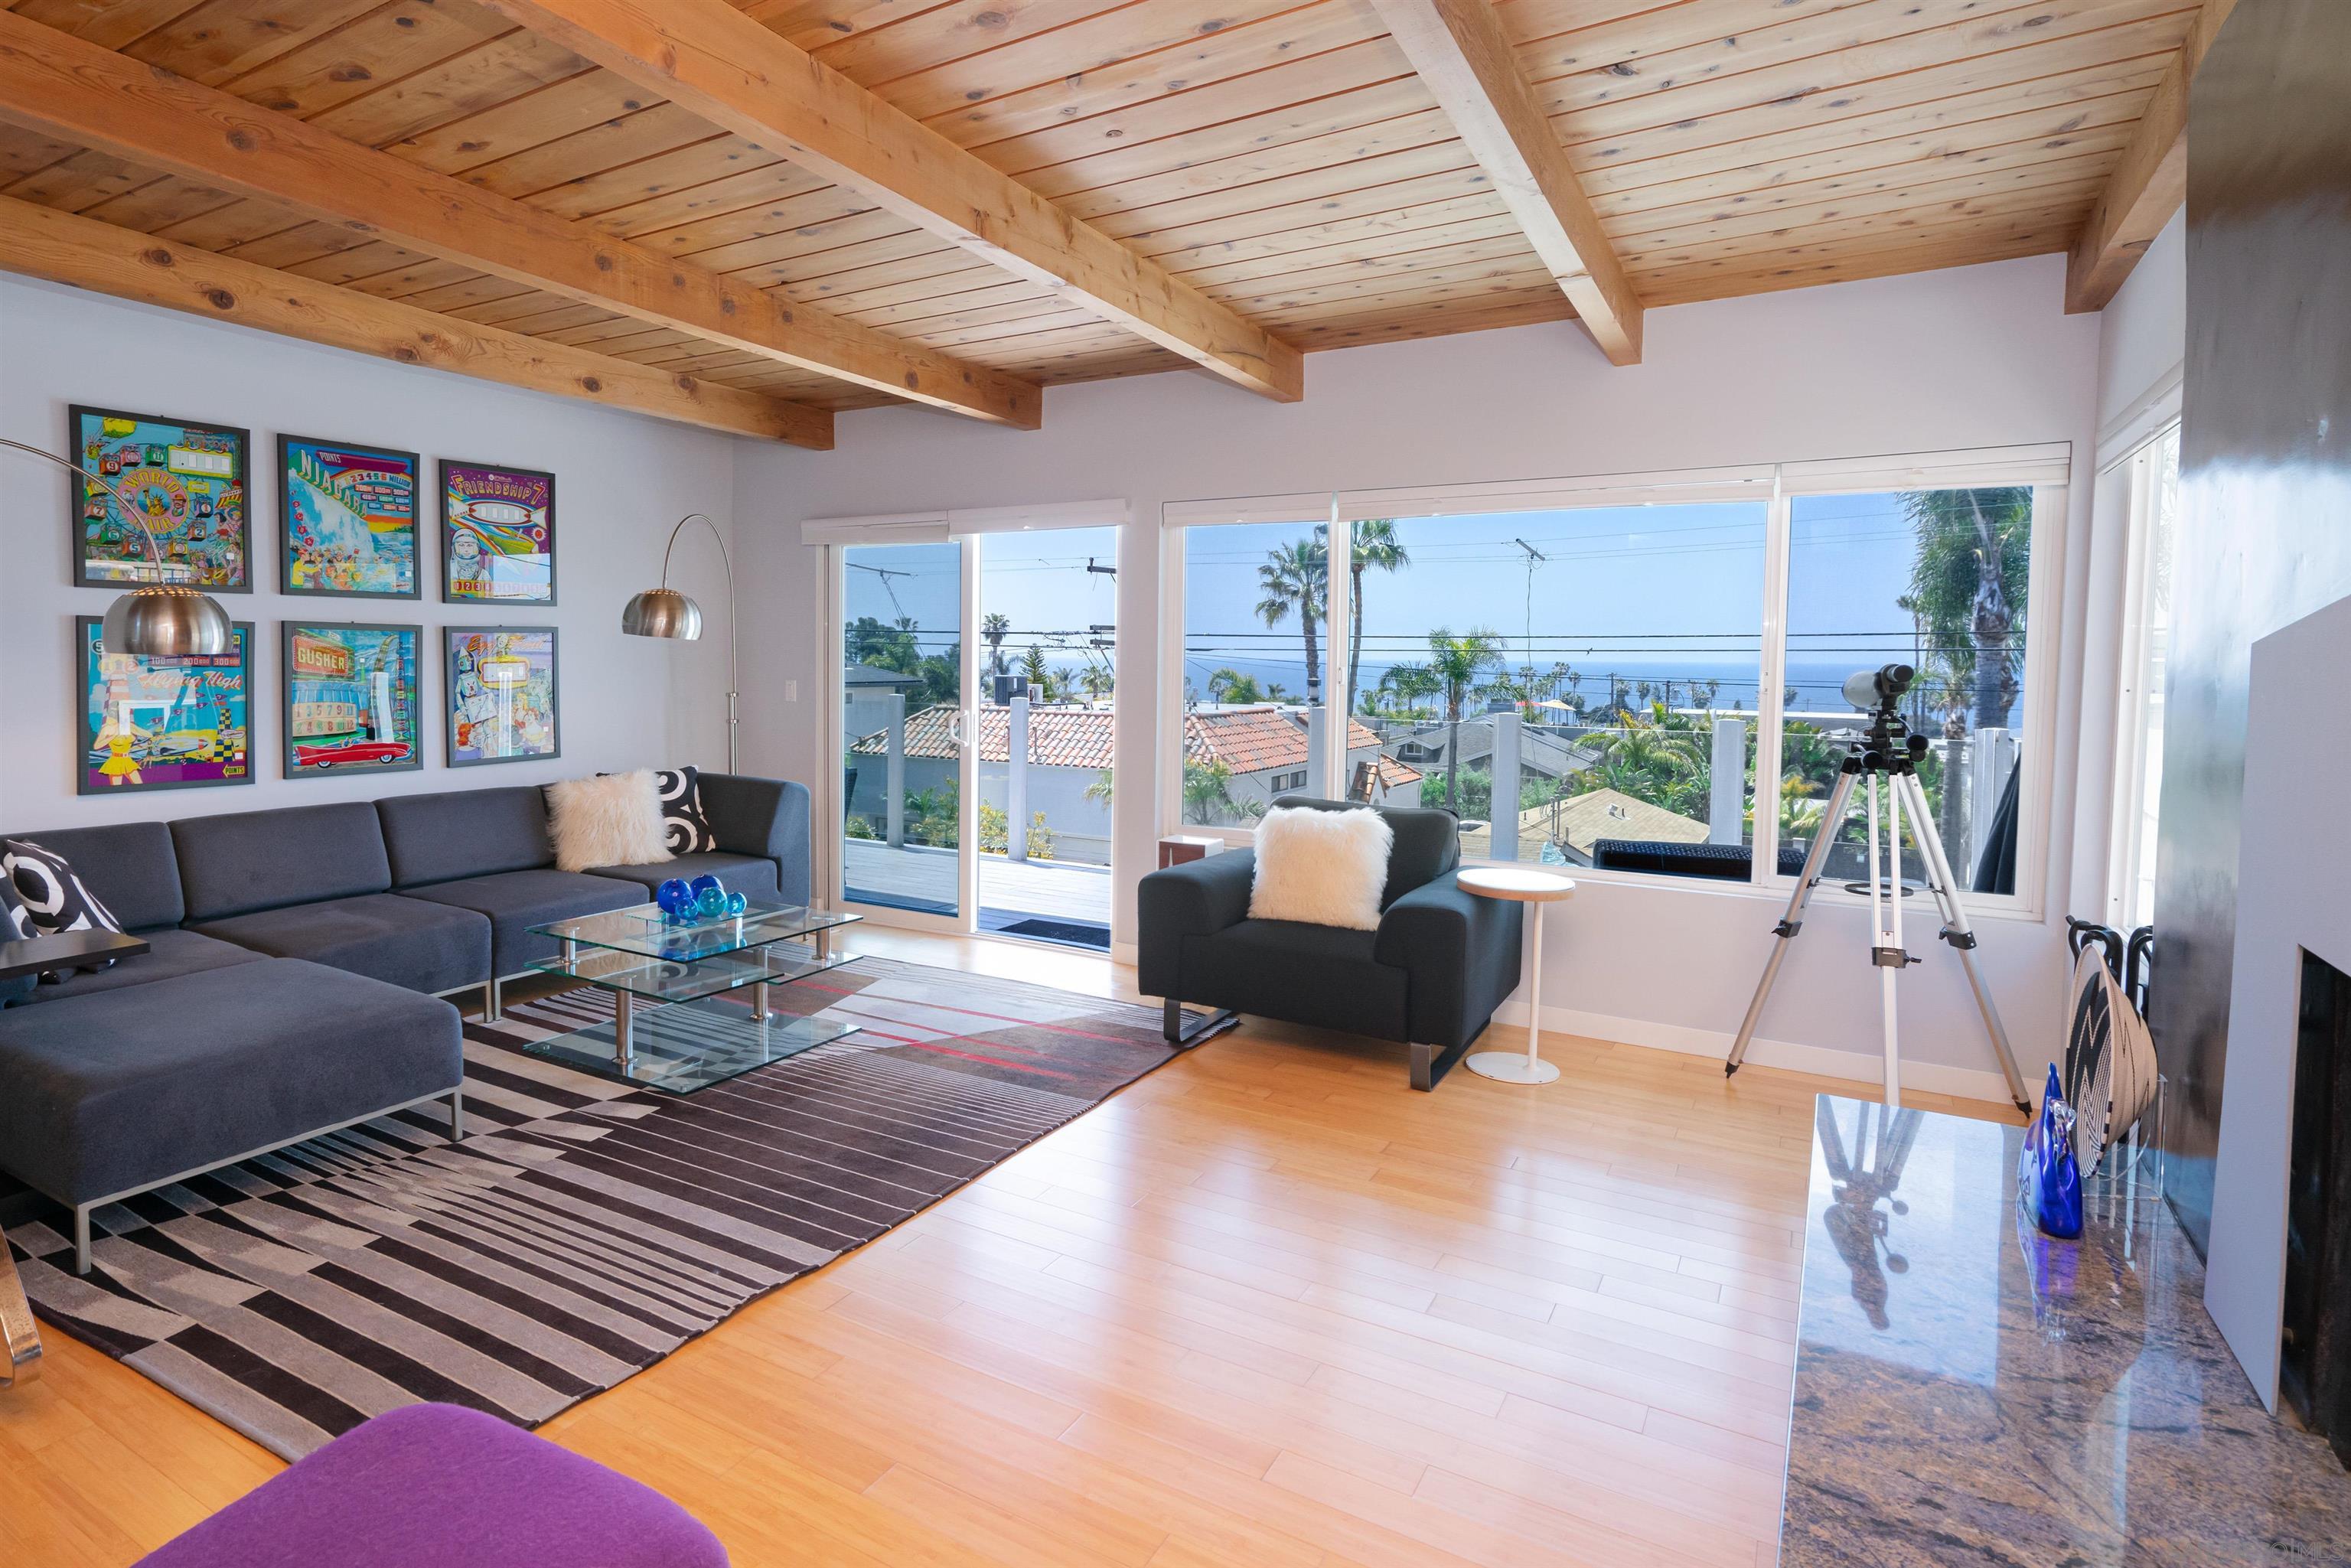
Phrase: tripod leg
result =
(1832, 818)
(1885, 917)
(1962, 937)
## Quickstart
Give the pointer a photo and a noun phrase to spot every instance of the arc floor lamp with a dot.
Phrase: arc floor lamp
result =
(158, 620)
(664, 612)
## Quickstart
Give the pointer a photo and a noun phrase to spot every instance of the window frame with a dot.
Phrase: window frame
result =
(2046, 467)
(2137, 469)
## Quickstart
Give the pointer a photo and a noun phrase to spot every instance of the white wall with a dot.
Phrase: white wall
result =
(2143, 332)
(1980, 356)
(620, 482)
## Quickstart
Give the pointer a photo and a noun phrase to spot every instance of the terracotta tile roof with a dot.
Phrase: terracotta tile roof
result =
(1058, 737)
(1247, 740)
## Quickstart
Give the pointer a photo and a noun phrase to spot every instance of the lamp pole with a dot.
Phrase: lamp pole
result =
(665, 613)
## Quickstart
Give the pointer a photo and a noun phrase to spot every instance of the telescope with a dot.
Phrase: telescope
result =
(1881, 687)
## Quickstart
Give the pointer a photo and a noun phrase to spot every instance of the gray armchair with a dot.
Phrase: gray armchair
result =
(1431, 976)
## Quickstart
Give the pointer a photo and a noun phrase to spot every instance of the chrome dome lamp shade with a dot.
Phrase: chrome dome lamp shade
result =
(664, 612)
(167, 621)
(158, 620)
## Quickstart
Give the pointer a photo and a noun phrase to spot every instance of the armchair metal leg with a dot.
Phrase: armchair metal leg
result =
(1184, 1031)
(81, 1239)
(492, 1001)
(457, 1114)
(1429, 1065)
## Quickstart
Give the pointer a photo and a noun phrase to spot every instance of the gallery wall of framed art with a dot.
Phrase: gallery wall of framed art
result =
(323, 474)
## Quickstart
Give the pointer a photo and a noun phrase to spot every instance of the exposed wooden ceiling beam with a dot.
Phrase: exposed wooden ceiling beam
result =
(41, 242)
(1462, 56)
(2149, 184)
(61, 86)
(712, 60)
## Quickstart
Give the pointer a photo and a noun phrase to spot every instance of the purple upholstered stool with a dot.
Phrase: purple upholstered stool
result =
(432, 1485)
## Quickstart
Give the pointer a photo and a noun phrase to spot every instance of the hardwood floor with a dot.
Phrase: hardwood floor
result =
(1267, 1307)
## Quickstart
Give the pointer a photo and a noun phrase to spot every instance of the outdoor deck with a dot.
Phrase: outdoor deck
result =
(1051, 890)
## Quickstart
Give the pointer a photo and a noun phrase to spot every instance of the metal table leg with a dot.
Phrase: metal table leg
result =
(621, 1002)
(760, 1000)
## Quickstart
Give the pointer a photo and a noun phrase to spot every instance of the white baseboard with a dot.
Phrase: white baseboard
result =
(1965, 1082)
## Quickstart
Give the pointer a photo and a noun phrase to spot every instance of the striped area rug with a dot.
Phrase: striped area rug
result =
(583, 1229)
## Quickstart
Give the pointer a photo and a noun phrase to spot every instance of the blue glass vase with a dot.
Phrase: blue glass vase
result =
(2048, 1181)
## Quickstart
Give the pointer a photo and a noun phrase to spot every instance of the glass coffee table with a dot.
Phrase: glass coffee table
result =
(679, 1023)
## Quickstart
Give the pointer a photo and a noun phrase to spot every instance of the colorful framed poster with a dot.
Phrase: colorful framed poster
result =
(349, 515)
(501, 691)
(189, 481)
(497, 535)
(163, 724)
(352, 701)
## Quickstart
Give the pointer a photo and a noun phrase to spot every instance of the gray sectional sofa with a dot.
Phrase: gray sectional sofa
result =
(295, 968)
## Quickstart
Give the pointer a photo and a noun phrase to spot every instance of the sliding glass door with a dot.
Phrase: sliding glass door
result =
(1046, 723)
(977, 723)
(902, 830)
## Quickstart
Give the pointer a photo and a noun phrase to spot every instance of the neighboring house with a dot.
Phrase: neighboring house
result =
(1546, 750)
(1266, 749)
(1263, 749)
(1575, 823)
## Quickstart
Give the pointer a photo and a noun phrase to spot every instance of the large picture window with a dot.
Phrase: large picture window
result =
(1595, 673)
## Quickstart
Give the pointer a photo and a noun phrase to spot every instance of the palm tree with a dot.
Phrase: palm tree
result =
(1410, 684)
(1376, 546)
(1229, 685)
(1968, 584)
(994, 628)
(1456, 662)
(1297, 575)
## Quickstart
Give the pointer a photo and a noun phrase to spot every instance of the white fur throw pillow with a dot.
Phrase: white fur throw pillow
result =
(613, 818)
(1324, 868)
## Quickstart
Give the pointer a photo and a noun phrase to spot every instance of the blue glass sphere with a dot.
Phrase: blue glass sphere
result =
(673, 896)
(712, 903)
(704, 884)
(737, 903)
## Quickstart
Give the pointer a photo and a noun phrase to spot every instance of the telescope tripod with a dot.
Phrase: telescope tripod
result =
(1884, 761)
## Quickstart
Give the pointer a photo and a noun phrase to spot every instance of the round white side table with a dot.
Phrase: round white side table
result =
(1531, 887)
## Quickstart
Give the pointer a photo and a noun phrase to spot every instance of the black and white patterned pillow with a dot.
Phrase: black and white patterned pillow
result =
(52, 899)
(688, 829)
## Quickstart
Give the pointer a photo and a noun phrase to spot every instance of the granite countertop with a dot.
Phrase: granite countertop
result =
(1969, 1391)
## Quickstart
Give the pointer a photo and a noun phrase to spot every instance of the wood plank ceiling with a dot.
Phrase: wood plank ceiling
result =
(1279, 161)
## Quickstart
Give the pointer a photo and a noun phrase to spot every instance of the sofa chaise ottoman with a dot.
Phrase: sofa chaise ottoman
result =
(433, 1486)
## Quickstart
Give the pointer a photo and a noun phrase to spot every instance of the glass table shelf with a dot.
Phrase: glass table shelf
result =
(690, 1002)
(643, 929)
(687, 1046)
(671, 980)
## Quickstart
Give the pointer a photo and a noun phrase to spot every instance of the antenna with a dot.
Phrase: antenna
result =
(886, 573)
(1535, 557)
